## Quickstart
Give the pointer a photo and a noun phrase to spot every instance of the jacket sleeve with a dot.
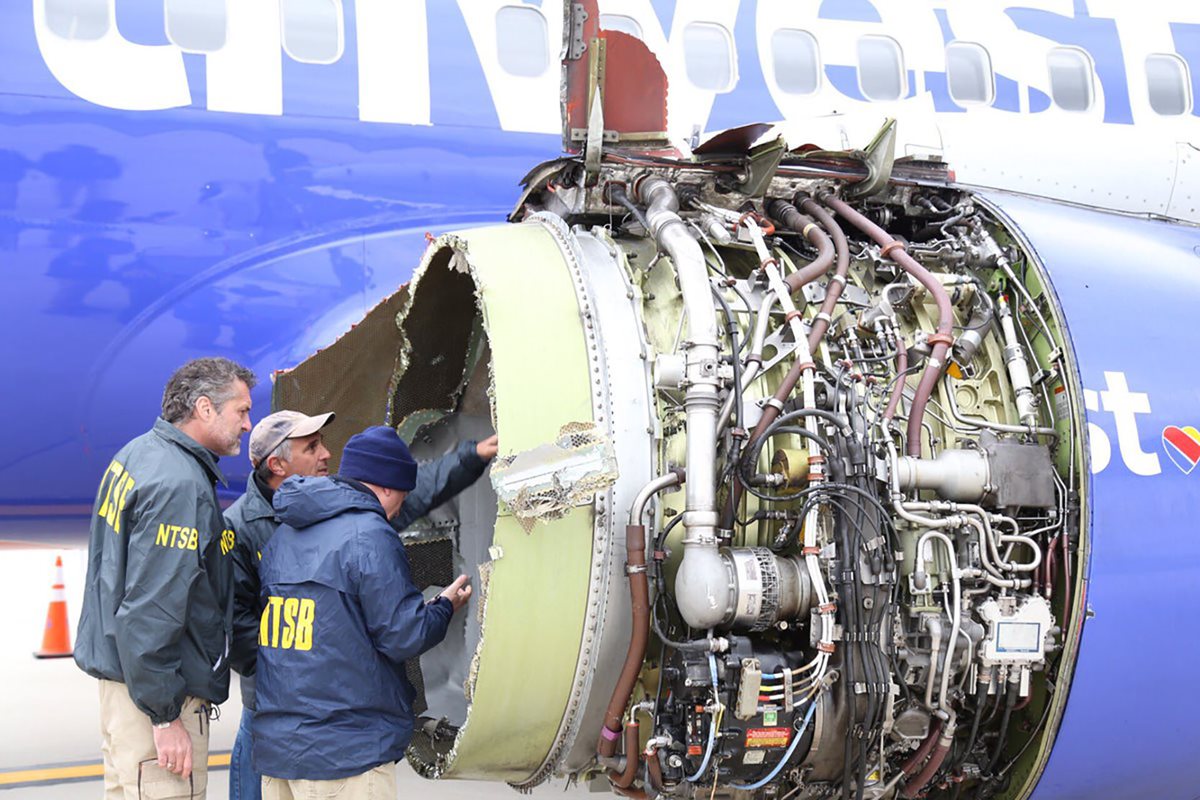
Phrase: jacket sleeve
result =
(401, 624)
(162, 565)
(439, 481)
(244, 650)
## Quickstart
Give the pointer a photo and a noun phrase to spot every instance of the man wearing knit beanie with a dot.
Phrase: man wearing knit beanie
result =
(341, 615)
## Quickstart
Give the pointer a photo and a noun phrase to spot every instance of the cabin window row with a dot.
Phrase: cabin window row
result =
(710, 59)
(313, 32)
(970, 79)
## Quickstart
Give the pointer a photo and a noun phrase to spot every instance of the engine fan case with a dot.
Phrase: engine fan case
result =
(552, 607)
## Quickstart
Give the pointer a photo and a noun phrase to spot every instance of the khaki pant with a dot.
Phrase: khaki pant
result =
(131, 770)
(374, 784)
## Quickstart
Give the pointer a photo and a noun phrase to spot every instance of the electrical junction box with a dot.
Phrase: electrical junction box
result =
(1017, 630)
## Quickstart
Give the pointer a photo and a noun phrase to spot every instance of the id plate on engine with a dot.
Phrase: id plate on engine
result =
(768, 737)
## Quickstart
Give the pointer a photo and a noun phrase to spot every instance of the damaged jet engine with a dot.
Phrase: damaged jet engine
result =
(789, 501)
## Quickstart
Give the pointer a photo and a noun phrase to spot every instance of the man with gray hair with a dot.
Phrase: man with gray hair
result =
(157, 619)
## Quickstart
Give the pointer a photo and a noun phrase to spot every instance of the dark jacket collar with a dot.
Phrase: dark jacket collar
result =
(198, 451)
(258, 499)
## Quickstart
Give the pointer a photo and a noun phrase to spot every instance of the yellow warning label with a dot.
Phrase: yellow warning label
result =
(768, 737)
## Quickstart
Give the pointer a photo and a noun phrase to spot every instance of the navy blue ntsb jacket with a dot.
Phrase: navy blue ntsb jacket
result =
(252, 518)
(340, 616)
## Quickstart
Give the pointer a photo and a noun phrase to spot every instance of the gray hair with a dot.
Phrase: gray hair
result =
(214, 378)
(282, 451)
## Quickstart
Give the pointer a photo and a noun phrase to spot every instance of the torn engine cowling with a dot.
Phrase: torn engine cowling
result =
(788, 501)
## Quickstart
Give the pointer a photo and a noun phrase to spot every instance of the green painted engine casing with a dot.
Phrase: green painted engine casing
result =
(552, 608)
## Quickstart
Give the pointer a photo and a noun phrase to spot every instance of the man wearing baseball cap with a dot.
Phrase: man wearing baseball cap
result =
(341, 614)
(283, 444)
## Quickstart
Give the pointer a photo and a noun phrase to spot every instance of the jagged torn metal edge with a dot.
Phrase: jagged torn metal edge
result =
(459, 260)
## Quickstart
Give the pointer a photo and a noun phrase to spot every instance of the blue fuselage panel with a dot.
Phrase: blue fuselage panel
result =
(132, 241)
(1130, 290)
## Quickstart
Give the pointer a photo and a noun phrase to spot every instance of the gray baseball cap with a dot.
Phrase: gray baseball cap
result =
(272, 430)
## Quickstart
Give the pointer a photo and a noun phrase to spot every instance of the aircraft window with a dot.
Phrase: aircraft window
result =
(880, 68)
(1167, 80)
(521, 41)
(622, 23)
(969, 73)
(196, 26)
(797, 61)
(77, 19)
(1070, 78)
(708, 56)
(312, 30)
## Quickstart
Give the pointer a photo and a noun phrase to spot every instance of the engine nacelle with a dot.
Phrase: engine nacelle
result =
(848, 439)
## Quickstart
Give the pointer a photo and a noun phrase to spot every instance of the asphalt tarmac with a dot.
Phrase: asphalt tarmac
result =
(49, 709)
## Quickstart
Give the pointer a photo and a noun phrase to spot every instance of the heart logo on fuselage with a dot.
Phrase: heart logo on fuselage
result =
(1182, 446)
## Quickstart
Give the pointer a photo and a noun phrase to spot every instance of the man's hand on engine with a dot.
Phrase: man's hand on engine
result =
(488, 447)
(459, 592)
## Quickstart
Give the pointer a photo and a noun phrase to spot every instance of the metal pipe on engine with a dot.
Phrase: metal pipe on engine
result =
(804, 370)
(956, 618)
(1000, 427)
(793, 220)
(941, 339)
(933, 626)
(753, 364)
(1018, 367)
(784, 289)
(837, 283)
(638, 508)
(897, 390)
(702, 585)
(960, 475)
(639, 595)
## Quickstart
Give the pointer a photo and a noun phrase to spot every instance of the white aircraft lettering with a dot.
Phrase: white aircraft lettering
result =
(245, 76)
(1125, 405)
(393, 61)
(112, 71)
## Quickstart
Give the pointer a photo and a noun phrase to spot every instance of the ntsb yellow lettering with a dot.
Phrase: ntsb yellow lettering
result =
(287, 623)
(228, 540)
(180, 537)
(115, 486)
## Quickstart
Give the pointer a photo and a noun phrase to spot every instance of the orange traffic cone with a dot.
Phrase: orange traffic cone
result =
(56, 641)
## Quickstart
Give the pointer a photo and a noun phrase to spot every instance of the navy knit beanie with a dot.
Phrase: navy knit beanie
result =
(378, 455)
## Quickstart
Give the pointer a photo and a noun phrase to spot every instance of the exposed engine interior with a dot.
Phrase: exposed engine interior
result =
(790, 488)
(862, 589)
